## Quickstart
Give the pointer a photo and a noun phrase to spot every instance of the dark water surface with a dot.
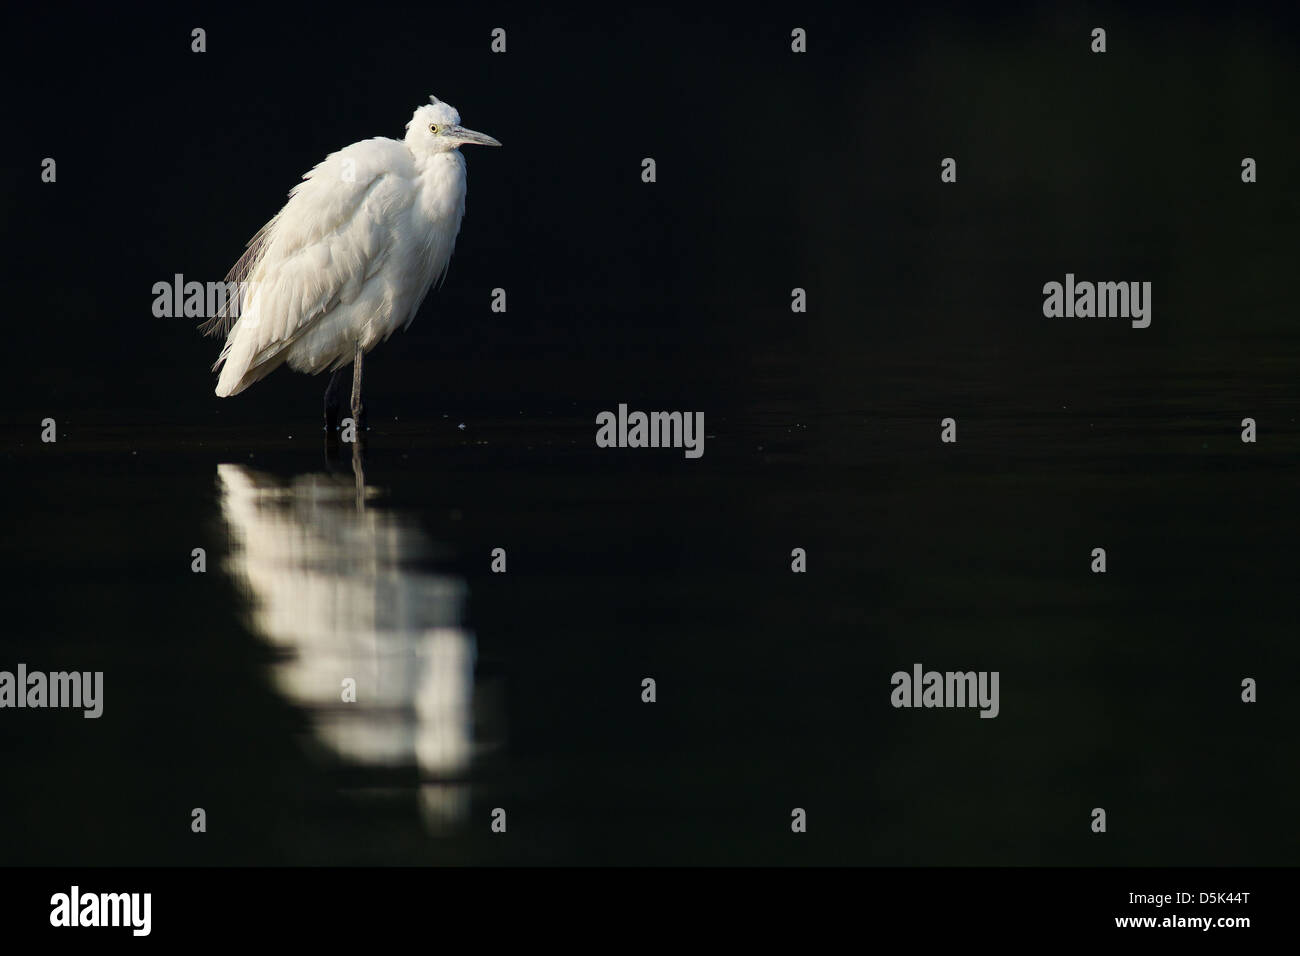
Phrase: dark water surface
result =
(522, 690)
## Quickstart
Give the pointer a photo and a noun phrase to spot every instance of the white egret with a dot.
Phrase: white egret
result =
(349, 258)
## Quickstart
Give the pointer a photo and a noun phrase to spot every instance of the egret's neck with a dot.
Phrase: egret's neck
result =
(435, 164)
(442, 185)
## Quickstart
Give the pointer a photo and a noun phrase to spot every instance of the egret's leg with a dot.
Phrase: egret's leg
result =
(356, 387)
(359, 474)
(334, 393)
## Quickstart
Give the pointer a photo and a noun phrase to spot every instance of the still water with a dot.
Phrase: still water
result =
(474, 690)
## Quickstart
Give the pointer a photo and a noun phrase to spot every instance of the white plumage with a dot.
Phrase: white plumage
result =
(352, 254)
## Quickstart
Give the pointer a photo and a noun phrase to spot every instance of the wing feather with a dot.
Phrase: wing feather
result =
(318, 252)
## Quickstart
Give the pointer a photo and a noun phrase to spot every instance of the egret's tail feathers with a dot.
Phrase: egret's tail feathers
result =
(233, 381)
(241, 366)
(226, 389)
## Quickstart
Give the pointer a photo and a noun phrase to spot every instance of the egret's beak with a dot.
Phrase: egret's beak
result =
(463, 135)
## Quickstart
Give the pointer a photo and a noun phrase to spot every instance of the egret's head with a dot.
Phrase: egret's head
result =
(435, 128)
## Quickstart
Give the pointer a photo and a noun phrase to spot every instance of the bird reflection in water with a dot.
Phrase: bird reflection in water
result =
(334, 582)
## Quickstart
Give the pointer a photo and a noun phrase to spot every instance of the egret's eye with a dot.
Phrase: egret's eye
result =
(433, 128)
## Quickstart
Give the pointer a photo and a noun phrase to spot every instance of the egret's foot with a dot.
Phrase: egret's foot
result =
(334, 419)
(336, 451)
(337, 408)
